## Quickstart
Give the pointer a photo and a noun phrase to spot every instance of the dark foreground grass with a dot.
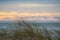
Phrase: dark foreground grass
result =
(25, 31)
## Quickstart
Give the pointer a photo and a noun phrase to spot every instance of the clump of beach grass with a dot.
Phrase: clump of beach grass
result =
(25, 31)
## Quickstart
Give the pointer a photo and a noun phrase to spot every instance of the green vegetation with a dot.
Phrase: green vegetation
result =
(25, 31)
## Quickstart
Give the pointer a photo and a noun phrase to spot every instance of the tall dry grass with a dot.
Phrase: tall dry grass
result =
(26, 31)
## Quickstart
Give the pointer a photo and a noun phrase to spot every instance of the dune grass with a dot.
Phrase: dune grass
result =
(25, 31)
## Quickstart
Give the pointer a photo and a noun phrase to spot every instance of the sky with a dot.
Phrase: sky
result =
(30, 9)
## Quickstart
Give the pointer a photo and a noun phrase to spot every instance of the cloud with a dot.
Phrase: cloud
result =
(34, 5)
(14, 15)
(26, 5)
(3, 13)
(43, 16)
(29, 7)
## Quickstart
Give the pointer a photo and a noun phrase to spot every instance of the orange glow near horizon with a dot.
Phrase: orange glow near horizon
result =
(12, 15)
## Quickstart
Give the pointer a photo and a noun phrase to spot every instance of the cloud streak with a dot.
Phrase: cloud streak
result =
(27, 5)
(14, 15)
